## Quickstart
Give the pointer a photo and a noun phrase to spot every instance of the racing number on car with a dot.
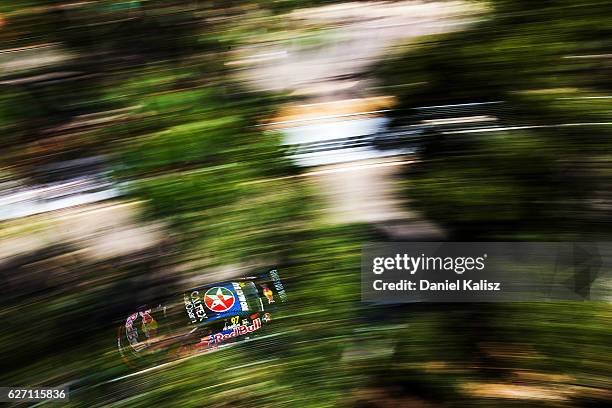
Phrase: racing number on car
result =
(235, 320)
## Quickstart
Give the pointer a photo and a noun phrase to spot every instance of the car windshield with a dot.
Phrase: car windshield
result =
(252, 296)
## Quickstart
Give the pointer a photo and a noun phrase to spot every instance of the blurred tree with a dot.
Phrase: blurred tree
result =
(144, 84)
(541, 72)
(547, 63)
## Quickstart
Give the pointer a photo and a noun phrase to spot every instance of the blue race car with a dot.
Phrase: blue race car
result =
(203, 318)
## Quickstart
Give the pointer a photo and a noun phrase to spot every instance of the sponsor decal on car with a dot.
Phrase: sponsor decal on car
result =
(130, 331)
(219, 299)
(194, 307)
(268, 293)
(243, 302)
(237, 330)
(278, 285)
(149, 327)
(149, 324)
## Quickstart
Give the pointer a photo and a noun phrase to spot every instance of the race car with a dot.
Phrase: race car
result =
(200, 319)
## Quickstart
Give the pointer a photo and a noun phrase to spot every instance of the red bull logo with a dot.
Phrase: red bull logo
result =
(234, 332)
(268, 294)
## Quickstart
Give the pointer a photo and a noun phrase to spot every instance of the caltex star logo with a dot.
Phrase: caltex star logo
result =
(219, 299)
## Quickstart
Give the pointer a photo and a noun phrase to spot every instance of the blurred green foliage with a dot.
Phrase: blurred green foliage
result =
(546, 61)
(186, 144)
